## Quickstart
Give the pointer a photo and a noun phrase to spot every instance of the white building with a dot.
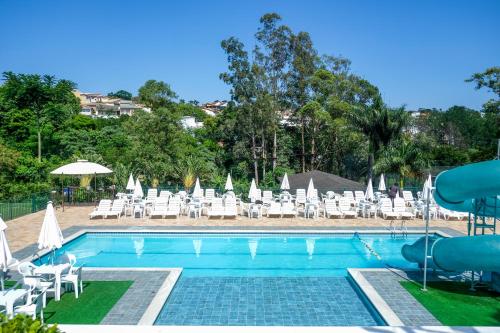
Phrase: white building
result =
(189, 122)
(96, 105)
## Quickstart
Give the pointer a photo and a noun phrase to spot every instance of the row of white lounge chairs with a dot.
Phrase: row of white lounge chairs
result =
(349, 205)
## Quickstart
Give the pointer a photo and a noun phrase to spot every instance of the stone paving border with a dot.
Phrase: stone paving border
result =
(396, 305)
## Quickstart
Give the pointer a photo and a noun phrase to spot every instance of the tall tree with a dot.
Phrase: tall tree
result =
(43, 98)
(156, 94)
(241, 77)
(380, 125)
(272, 53)
(303, 66)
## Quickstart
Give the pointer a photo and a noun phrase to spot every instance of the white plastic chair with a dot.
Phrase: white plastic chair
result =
(408, 198)
(34, 305)
(74, 276)
(274, 209)
(350, 196)
(36, 282)
(358, 196)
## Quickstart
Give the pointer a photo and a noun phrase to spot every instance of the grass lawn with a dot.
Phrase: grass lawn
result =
(92, 305)
(454, 305)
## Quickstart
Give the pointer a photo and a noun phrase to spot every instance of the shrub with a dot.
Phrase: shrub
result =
(25, 324)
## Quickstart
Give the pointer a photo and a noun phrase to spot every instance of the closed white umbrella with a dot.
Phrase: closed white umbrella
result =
(285, 185)
(229, 183)
(427, 185)
(381, 184)
(6, 259)
(197, 191)
(311, 194)
(130, 183)
(369, 191)
(251, 192)
(50, 235)
(138, 189)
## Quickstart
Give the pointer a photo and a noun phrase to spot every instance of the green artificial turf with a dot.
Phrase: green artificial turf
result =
(91, 307)
(454, 305)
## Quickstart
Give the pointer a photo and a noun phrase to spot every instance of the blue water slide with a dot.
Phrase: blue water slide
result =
(479, 253)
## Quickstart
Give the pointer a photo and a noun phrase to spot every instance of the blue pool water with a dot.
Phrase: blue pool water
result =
(264, 255)
(253, 279)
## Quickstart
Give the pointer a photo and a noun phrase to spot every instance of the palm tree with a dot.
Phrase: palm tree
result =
(403, 157)
(380, 125)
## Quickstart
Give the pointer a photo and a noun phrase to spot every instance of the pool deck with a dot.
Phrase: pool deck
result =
(22, 234)
(24, 230)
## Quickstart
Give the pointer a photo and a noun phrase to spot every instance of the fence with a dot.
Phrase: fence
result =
(15, 208)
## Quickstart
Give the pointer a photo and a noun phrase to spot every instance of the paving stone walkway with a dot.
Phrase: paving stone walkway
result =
(407, 308)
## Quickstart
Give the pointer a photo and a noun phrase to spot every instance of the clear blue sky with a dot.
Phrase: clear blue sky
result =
(417, 52)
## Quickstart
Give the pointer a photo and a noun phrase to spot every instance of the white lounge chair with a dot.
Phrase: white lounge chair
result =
(331, 209)
(117, 208)
(400, 209)
(452, 215)
(102, 209)
(174, 207)
(386, 211)
(288, 209)
(300, 196)
(349, 195)
(358, 196)
(209, 195)
(216, 209)
(230, 209)
(408, 198)
(165, 194)
(267, 197)
(274, 209)
(258, 195)
(160, 207)
(346, 209)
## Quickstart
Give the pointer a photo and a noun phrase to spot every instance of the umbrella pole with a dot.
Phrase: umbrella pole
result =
(62, 192)
(427, 216)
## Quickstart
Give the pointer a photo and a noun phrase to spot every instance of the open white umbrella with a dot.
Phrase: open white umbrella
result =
(138, 193)
(369, 191)
(310, 190)
(197, 191)
(50, 237)
(381, 184)
(81, 168)
(130, 183)
(229, 183)
(251, 192)
(285, 185)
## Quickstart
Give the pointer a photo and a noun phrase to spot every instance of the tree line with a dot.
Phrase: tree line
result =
(291, 110)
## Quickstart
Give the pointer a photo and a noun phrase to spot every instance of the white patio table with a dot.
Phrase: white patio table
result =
(55, 270)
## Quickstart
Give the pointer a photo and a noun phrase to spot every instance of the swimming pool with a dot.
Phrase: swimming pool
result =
(266, 255)
(256, 279)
